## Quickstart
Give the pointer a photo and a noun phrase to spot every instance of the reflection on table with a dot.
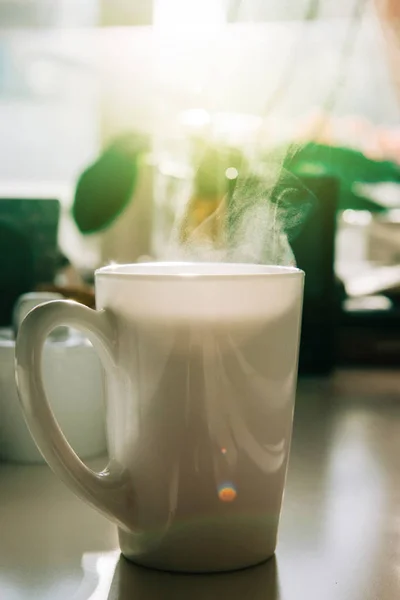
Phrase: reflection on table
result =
(340, 528)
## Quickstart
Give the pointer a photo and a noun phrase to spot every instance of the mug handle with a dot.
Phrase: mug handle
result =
(110, 490)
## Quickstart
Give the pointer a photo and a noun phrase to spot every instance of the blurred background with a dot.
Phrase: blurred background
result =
(125, 126)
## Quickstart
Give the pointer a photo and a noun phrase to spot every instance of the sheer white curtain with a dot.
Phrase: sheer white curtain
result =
(48, 89)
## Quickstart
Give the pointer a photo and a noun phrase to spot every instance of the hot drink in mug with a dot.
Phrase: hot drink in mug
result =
(201, 368)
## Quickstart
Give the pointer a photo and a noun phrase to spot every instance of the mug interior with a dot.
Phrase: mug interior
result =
(198, 293)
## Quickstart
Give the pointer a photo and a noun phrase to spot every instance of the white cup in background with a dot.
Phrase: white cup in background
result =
(27, 302)
(73, 380)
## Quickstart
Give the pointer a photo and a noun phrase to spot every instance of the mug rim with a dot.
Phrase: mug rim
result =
(187, 270)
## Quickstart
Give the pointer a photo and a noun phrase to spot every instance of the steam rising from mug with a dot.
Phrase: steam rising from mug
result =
(254, 222)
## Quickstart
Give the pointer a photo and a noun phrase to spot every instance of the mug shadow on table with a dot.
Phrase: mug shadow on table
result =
(131, 581)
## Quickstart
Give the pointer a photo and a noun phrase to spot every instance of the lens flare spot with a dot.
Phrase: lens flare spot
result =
(223, 450)
(231, 173)
(227, 493)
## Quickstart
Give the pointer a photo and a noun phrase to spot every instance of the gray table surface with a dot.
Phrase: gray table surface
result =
(340, 528)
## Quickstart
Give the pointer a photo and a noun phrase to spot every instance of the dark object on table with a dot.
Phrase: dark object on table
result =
(369, 332)
(16, 268)
(370, 338)
(106, 187)
(28, 248)
(314, 252)
(38, 220)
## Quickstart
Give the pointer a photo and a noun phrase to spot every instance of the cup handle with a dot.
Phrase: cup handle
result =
(109, 491)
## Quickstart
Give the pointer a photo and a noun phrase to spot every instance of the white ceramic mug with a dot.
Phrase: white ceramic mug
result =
(201, 364)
